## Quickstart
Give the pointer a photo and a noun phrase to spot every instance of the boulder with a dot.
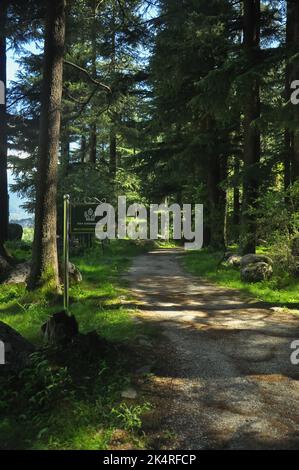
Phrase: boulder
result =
(15, 232)
(74, 273)
(234, 261)
(4, 265)
(252, 259)
(16, 351)
(227, 255)
(61, 328)
(19, 274)
(256, 272)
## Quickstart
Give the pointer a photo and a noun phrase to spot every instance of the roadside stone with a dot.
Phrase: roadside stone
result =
(129, 393)
(19, 274)
(60, 328)
(74, 273)
(256, 272)
(234, 261)
(253, 259)
(17, 348)
(227, 255)
(15, 232)
(4, 265)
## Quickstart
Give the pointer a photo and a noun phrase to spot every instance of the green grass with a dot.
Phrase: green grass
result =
(66, 402)
(282, 289)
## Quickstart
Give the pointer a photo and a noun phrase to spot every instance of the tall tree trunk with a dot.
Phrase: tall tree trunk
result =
(4, 209)
(295, 76)
(44, 271)
(93, 127)
(83, 149)
(217, 202)
(251, 132)
(93, 144)
(113, 154)
(288, 136)
(113, 139)
(236, 195)
(65, 150)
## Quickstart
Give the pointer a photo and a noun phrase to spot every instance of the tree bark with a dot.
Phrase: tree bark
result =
(295, 76)
(44, 271)
(288, 135)
(4, 201)
(251, 45)
(93, 127)
(93, 144)
(83, 149)
(217, 202)
(114, 118)
(113, 154)
(236, 195)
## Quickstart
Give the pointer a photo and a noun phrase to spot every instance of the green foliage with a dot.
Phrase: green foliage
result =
(282, 289)
(65, 399)
(129, 417)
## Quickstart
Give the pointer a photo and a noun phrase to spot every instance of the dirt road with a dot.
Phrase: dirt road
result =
(223, 376)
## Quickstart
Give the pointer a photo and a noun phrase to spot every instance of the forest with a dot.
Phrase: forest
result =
(162, 102)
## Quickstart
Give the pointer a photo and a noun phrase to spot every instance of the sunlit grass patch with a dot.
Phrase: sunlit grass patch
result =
(281, 289)
(88, 408)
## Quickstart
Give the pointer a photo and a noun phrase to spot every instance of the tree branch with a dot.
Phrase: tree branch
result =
(88, 75)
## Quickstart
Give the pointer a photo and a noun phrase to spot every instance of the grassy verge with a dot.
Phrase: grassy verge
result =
(282, 289)
(64, 401)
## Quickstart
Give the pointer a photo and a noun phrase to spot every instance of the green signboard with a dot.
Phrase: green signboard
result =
(83, 219)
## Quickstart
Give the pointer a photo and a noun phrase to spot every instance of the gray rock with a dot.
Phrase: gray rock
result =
(227, 255)
(60, 328)
(252, 259)
(17, 348)
(256, 272)
(19, 274)
(234, 261)
(74, 273)
(15, 232)
(129, 393)
(4, 265)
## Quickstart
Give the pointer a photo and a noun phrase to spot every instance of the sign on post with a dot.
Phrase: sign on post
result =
(66, 237)
(77, 219)
(83, 218)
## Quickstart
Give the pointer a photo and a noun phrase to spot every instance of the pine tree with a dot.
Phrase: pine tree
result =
(251, 132)
(44, 257)
(4, 211)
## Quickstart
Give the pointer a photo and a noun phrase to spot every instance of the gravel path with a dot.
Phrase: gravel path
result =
(223, 377)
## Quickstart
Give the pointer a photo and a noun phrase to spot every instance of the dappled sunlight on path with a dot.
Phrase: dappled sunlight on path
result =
(223, 378)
